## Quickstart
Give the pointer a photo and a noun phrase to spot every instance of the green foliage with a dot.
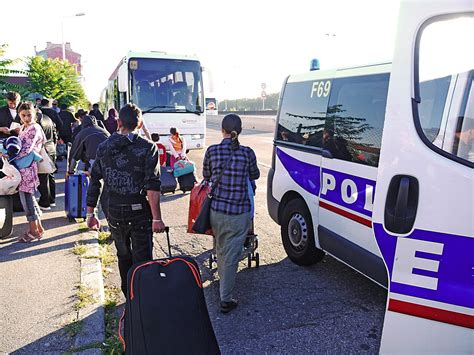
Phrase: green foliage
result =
(6, 71)
(56, 79)
(253, 104)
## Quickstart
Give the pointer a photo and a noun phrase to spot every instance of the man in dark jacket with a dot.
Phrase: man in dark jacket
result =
(47, 186)
(86, 142)
(67, 119)
(129, 168)
(96, 113)
(51, 113)
(8, 114)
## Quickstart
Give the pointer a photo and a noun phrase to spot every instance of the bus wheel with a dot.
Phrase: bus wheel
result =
(297, 234)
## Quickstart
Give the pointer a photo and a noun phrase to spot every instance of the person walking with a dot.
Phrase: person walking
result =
(47, 187)
(177, 145)
(8, 115)
(97, 114)
(68, 120)
(231, 205)
(129, 168)
(32, 138)
(86, 143)
(110, 123)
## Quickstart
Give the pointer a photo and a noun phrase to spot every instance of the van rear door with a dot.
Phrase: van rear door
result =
(423, 208)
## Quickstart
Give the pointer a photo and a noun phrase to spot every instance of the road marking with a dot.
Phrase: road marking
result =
(264, 165)
(267, 141)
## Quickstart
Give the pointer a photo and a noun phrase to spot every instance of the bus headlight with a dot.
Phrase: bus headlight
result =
(197, 136)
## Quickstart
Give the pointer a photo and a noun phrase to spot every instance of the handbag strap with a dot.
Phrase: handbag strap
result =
(224, 168)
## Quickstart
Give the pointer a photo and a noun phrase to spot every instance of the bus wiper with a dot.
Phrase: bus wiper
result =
(157, 106)
(196, 112)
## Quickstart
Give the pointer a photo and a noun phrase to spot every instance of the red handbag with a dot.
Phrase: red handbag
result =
(196, 200)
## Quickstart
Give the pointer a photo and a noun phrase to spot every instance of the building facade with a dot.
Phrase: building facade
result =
(54, 50)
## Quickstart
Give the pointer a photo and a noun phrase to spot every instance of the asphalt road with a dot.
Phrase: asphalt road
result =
(284, 308)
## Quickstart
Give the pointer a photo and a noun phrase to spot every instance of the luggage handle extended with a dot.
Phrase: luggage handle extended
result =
(167, 231)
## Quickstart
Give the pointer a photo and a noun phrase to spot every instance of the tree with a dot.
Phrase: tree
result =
(57, 79)
(6, 71)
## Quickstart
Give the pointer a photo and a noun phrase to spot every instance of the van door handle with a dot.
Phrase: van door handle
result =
(401, 204)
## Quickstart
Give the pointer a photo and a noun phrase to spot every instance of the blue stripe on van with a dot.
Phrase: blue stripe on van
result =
(304, 174)
(308, 177)
(445, 275)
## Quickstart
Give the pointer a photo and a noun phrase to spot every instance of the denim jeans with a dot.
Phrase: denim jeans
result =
(32, 210)
(131, 230)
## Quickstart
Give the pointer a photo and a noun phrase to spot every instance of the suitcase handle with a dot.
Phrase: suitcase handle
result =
(167, 230)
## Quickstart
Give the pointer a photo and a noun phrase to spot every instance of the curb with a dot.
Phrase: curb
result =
(92, 316)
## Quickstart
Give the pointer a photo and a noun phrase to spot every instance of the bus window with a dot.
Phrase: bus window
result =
(355, 117)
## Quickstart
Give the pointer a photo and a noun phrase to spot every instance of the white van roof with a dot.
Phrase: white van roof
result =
(368, 69)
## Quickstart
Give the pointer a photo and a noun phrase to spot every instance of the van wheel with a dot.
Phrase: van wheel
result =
(297, 234)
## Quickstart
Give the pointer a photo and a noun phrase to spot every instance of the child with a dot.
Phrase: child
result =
(161, 148)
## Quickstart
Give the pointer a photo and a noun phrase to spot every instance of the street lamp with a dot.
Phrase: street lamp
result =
(62, 31)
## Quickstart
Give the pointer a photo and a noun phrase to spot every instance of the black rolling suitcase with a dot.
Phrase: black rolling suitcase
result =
(186, 182)
(168, 181)
(166, 312)
(6, 216)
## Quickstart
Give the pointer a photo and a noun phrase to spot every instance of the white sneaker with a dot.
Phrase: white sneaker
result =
(53, 204)
(45, 208)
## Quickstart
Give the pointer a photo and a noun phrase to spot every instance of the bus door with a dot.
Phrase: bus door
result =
(423, 208)
(351, 148)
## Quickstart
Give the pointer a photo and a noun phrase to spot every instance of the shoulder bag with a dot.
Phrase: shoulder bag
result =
(203, 221)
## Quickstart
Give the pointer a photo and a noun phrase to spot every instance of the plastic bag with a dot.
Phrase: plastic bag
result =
(9, 183)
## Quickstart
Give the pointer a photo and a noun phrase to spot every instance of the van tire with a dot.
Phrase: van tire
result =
(299, 246)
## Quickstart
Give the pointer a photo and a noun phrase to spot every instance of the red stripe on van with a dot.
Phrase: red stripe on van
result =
(344, 213)
(436, 314)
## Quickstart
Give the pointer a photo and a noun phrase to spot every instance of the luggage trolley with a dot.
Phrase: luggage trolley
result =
(248, 250)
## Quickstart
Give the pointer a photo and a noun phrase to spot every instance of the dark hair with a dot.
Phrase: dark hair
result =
(95, 105)
(130, 116)
(232, 124)
(13, 96)
(26, 105)
(80, 113)
(63, 107)
(155, 137)
(173, 130)
(44, 102)
(112, 112)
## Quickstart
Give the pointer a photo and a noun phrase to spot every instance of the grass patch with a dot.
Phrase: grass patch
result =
(103, 237)
(83, 227)
(73, 328)
(79, 249)
(84, 297)
(107, 258)
(112, 344)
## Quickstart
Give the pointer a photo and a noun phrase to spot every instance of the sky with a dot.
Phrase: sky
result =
(242, 44)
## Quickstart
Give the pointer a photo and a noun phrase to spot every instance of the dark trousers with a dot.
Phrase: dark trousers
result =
(47, 187)
(130, 228)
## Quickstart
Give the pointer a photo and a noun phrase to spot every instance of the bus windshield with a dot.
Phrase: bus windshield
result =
(166, 85)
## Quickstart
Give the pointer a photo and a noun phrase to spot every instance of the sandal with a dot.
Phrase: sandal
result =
(26, 238)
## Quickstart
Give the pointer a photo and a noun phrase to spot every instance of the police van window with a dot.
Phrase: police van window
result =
(445, 108)
(303, 111)
(355, 118)
(463, 142)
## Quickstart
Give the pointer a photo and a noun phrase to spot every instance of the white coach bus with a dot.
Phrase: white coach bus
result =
(167, 88)
(374, 166)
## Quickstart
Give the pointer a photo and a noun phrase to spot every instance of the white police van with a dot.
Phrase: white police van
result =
(374, 166)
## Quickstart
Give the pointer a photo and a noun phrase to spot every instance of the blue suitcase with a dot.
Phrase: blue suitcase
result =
(75, 196)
